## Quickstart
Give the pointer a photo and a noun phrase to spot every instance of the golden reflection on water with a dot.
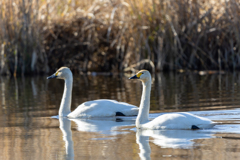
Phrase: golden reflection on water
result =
(28, 132)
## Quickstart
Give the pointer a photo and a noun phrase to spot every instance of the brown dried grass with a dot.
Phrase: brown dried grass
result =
(115, 35)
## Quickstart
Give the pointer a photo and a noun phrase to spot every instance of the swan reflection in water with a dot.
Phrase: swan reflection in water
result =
(107, 126)
(65, 126)
(162, 138)
(103, 126)
(168, 139)
(143, 142)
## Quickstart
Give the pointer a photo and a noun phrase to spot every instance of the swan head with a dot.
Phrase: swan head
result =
(142, 75)
(61, 73)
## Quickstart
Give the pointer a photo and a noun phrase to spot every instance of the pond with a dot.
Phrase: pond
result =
(28, 130)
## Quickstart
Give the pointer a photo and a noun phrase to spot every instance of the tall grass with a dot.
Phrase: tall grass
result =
(103, 35)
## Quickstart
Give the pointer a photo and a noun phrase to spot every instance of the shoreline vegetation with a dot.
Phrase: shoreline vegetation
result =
(115, 35)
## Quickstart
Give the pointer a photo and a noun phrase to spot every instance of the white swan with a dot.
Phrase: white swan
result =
(89, 109)
(181, 120)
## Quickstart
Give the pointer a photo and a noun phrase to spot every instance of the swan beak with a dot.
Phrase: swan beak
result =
(52, 76)
(134, 77)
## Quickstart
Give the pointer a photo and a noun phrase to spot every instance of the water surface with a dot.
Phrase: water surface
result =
(27, 130)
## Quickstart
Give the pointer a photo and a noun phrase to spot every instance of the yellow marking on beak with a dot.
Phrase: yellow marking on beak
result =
(56, 73)
(139, 74)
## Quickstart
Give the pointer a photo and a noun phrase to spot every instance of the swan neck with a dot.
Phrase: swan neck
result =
(65, 107)
(144, 105)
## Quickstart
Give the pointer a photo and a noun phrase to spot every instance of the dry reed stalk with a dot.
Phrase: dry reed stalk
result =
(112, 35)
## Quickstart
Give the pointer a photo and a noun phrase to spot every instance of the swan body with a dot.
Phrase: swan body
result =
(103, 108)
(181, 120)
(89, 109)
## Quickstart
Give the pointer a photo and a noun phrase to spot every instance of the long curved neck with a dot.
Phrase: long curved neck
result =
(65, 106)
(145, 104)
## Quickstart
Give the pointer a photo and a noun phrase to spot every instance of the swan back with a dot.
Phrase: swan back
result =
(180, 120)
(103, 108)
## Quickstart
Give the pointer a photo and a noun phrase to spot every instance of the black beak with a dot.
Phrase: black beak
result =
(52, 76)
(134, 77)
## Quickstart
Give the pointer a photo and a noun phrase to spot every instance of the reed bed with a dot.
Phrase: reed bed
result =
(116, 35)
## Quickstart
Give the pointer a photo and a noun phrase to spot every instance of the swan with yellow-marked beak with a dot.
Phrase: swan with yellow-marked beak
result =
(89, 109)
(180, 120)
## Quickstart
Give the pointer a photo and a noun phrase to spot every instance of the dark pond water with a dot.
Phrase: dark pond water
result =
(27, 130)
